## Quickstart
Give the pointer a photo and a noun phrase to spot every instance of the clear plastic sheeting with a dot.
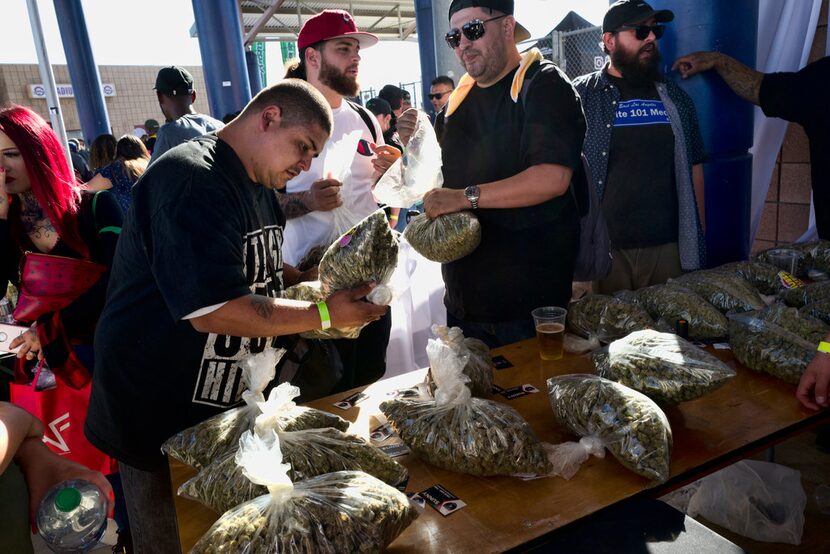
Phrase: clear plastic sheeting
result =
(460, 433)
(628, 423)
(662, 366)
(767, 347)
(416, 172)
(345, 511)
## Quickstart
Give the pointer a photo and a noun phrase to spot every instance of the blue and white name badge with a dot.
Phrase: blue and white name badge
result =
(641, 112)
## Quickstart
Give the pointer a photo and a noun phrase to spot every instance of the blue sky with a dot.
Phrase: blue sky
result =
(156, 32)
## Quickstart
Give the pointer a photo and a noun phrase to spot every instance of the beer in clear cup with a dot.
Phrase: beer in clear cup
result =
(550, 331)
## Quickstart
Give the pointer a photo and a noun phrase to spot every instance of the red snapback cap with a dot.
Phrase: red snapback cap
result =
(331, 24)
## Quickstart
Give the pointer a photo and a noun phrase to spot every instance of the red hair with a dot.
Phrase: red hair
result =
(52, 178)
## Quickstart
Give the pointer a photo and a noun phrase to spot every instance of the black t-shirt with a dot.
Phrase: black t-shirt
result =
(526, 256)
(640, 200)
(191, 240)
(802, 97)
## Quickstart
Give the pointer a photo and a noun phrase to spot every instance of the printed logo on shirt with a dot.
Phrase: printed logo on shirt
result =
(219, 382)
(641, 112)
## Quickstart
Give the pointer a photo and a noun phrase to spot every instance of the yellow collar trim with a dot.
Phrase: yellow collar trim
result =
(467, 83)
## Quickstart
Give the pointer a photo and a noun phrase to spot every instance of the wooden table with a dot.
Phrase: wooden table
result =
(749, 414)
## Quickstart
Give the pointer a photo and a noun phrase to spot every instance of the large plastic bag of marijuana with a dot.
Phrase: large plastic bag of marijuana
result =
(800, 322)
(200, 445)
(458, 432)
(766, 347)
(345, 511)
(820, 252)
(475, 356)
(727, 292)
(819, 310)
(446, 238)
(808, 294)
(416, 172)
(223, 485)
(367, 252)
(663, 366)
(766, 278)
(628, 423)
(670, 303)
(606, 318)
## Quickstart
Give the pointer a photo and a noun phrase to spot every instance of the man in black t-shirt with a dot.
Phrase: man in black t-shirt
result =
(508, 155)
(645, 152)
(799, 97)
(194, 291)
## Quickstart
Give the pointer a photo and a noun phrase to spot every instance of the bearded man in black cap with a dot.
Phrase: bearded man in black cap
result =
(513, 132)
(645, 152)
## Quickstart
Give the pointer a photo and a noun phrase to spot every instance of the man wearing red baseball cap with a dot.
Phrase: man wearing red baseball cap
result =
(320, 207)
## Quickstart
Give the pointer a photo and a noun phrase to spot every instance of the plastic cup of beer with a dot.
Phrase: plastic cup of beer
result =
(550, 330)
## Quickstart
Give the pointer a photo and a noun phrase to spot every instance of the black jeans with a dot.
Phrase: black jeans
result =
(364, 358)
(149, 496)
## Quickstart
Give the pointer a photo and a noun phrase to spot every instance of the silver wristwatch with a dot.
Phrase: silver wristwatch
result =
(472, 193)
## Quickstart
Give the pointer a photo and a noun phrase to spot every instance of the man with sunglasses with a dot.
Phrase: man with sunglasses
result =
(645, 151)
(329, 59)
(439, 95)
(508, 156)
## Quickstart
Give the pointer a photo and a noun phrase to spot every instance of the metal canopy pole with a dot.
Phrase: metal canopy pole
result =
(262, 21)
(48, 78)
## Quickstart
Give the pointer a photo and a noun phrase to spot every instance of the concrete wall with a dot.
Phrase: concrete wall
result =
(135, 99)
(787, 210)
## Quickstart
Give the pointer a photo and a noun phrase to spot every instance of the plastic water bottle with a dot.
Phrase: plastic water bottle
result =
(72, 516)
(6, 309)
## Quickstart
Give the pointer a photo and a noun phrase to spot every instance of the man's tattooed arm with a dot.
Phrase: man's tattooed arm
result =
(263, 306)
(294, 204)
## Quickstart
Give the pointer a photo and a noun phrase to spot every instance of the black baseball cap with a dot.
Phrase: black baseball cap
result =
(632, 12)
(379, 106)
(503, 6)
(174, 80)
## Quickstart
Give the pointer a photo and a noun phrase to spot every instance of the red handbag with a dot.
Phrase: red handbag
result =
(63, 411)
(50, 283)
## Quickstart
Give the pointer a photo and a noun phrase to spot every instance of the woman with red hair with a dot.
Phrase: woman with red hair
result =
(43, 209)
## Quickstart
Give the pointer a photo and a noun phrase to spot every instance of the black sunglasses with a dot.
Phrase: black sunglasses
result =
(438, 95)
(642, 31)
(473, 30)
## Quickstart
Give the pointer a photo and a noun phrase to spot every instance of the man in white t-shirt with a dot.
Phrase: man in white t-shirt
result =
(329, 46)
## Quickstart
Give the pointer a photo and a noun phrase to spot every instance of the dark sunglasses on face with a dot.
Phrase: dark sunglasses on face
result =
(642, 31)
(438, 95)
(473, 30)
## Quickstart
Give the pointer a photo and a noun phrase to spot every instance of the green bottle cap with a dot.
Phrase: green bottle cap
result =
(67, 499)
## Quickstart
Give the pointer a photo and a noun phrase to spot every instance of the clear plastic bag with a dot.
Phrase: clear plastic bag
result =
(222, 485)
(464, 434)
(446, 238)
(475, 357)
(728, 292)
(567, 457)
(764, 346)
(819, 310)
(367, 252)
(606, 318)
(662, 366)
(200, 445)
(808, 294)
(766, 278)
(759, 500)
(627, 422)
(416, 172)
(345, 511)
(811, 329)
(803, 258)
(671, 302)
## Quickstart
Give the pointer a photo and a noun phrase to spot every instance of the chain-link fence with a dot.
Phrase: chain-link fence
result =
(414, 90)
(575, 52)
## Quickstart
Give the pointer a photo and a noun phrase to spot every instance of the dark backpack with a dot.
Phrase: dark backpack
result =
(593, 261)
(366, 116)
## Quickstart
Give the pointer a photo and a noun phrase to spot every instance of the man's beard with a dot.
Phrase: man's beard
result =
(337, 80)
(637, 71)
